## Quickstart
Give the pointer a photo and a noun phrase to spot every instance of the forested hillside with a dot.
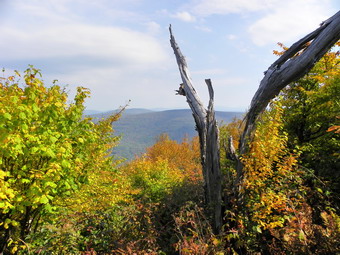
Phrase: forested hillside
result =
(139, 128)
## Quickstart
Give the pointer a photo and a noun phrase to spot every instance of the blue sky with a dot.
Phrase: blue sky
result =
(120, 49)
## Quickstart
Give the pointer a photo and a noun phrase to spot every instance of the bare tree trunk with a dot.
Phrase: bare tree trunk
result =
(207, 129)
(291, 66)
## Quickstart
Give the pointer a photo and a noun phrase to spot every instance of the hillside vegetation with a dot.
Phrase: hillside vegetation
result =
(63, 191)
(139, 128)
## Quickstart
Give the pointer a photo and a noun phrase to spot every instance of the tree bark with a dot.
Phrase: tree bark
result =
(207, 129)
(291, 66)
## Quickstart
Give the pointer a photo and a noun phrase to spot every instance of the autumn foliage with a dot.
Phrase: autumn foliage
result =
(287, 199)
(63, 192)
(47, 150)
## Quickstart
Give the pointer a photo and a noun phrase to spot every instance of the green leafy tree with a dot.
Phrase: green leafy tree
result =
(47, 149)
(311, 108)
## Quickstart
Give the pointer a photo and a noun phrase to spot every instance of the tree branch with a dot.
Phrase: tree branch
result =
(208, 134)
(193, 99)
(289, 68)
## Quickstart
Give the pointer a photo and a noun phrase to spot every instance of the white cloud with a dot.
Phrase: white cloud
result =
(204, 28)
(231, 37)
(153, 27)
(184, 16)
(51, 29)
(205, 72)
(280, 20)
(209, 7)
(120, 49)
(113, 43)
(111, 88)
(112, 60)
(289, 20)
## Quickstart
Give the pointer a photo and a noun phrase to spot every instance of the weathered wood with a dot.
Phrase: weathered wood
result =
(207, 129)
(291, 66)
(231, 152)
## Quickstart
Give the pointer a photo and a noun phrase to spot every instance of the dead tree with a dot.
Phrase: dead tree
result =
(207, 129)
(291, 66)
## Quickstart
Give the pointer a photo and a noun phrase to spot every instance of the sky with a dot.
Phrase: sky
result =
(120, 49)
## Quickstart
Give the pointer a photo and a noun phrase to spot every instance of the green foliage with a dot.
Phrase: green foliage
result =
(310, 109)
(61, 191)
(195, 232)
(271, 182)
(152, 180)
(311, 115)
(287, 199)
(271, 189)
(276, 209)
(162, 181)
(127, 210)
(47, 149)
(117, 229)
(228, 164)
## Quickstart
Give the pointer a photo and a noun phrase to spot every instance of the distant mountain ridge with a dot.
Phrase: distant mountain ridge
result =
(139, 128)
(131, 111)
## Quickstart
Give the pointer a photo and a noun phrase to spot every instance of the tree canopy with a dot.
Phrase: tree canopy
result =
(47, 150)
